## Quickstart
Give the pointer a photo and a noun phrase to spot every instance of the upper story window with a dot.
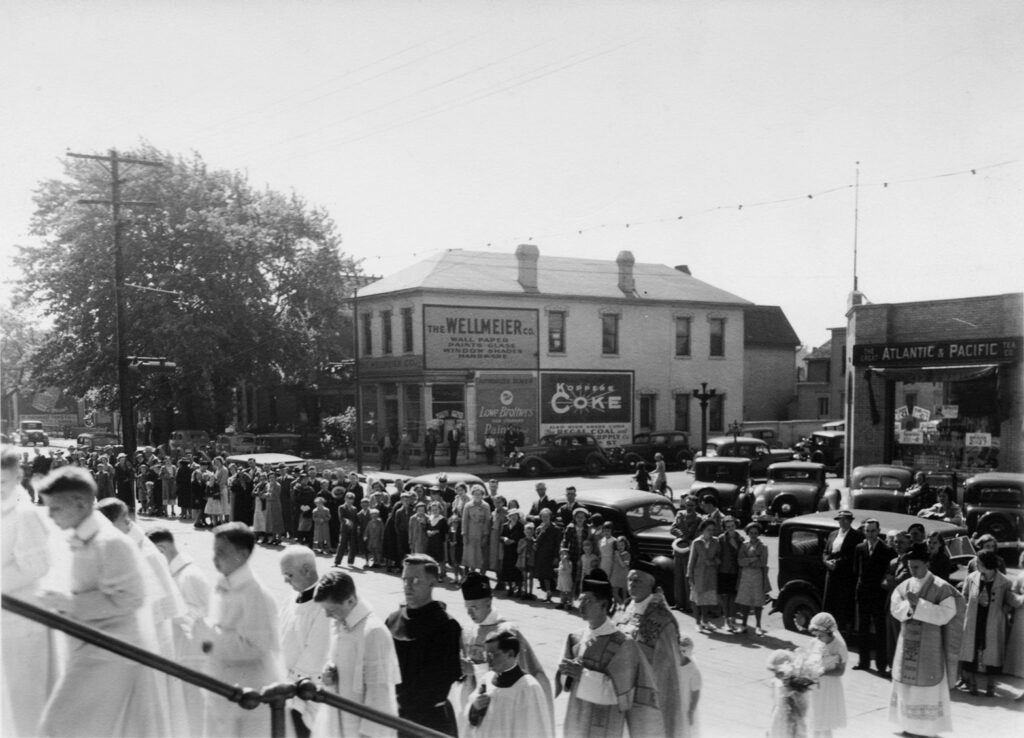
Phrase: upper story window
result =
(717, 328)
(367, 334)
(407, 330)
(609, 333)
(556, 332)
(385, 332)
(682, 336)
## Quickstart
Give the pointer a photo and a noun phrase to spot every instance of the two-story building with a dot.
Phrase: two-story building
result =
(524, 345)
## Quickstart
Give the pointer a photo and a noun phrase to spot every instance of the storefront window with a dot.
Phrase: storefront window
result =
(449, 408)
(947, 425)
(414, 411)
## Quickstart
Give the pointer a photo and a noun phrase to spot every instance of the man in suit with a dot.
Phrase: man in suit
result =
(454, 441)
(841, 580)
(871, 564)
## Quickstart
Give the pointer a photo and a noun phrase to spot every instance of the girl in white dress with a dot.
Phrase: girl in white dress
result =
(689, 688)
(828, 703)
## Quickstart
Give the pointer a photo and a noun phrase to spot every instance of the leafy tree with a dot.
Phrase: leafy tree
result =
(261, 286)
(339, 430)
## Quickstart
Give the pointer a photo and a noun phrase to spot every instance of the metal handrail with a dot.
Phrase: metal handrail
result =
(274, 695)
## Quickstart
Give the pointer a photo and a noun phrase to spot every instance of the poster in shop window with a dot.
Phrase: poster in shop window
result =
(479, 338)
(597, 403)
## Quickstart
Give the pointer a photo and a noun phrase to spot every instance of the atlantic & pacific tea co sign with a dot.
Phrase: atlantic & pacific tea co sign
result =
(939, 353)
(456, 337)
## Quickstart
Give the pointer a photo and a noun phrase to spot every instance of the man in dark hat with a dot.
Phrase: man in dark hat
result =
(476, 591)
(617, 686)
(931, 615)
(427, 642)
(840, 578)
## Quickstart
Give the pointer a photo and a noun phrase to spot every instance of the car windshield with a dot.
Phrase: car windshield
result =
(994, 496)
(643, 517)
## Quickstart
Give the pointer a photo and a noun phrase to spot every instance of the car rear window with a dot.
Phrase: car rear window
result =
(994, 496)
(805, 543)
(880, 483)
(791, 475)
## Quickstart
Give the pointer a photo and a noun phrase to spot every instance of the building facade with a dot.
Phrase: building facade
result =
(821, 393)
(518, 346)
(937, 384)
(769, 372)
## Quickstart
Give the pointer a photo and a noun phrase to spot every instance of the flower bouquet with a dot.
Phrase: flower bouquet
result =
(795, 673)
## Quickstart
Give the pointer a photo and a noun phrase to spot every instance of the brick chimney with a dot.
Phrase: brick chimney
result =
(684, 268)
(527, 255)
(626, 261)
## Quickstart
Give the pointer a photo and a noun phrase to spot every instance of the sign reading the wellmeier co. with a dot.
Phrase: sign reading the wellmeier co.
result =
(479, 338)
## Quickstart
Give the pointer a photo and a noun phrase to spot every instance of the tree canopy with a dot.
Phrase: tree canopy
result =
(260, 284)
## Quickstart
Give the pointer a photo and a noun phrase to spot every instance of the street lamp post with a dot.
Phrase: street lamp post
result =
(704, 395)
(735, 428)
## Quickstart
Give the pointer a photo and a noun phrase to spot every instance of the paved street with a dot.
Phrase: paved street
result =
(736, 700)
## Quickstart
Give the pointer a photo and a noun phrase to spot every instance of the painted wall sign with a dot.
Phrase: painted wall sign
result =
(506, 402)
(456, 337)
(598, 403)
(939, 353)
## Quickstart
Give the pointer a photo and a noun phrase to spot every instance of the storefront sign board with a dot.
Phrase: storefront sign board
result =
(911, 437)
(597, 403)
(939, 353)
(921, 413)
(506, 402)
(456, 337)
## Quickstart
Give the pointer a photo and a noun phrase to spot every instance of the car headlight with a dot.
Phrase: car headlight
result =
(786, 508)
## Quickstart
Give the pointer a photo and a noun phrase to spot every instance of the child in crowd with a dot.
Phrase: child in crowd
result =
(588, 559)
(689, 688)
(564, 582)
(454, 547)
(321, 519)
(620, 568)
(373, 537)
(828, 703)
(524, 562)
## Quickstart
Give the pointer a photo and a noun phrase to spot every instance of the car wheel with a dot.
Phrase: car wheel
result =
(798, 611)
(594, 466)
(998, 527)
(532, 469)
(632, 461)
(818, 457)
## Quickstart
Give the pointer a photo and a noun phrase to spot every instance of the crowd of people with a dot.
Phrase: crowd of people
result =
(627, 668)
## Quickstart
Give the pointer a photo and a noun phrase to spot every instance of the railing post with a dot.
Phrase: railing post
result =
(277, 695)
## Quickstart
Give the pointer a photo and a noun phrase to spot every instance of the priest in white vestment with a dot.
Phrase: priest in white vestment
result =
(930, 612)
(508, 703)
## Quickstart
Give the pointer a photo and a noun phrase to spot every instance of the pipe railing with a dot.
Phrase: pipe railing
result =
(274, 695)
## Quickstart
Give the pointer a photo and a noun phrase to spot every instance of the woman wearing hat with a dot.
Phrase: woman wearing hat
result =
(511, 533)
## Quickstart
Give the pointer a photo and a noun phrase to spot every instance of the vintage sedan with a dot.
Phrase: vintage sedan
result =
(760, 454)
(994, 504)
(674, 446)
(728, 480)
(559, 453)
(645, 519)
(97, 441)
(793, 488)
(31, 432)
(880, 487)
(801, 579)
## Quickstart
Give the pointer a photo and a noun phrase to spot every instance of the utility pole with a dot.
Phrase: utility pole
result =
(116, 203)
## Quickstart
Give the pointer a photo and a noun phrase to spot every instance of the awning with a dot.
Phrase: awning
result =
(962, 373)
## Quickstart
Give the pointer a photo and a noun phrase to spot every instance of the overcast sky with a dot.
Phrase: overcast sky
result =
(482, 125)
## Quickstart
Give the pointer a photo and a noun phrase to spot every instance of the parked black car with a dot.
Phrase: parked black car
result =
(994, 504)
(793, 488)
(729, 479)
(559, 453)
(801, 578)
(880, 487)
(825, 447)
(645, 519)
(760, 454)
(673, 445)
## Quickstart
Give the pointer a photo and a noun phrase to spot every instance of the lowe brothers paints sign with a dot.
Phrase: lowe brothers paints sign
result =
(506, 402)
(479, 338)
(597, 403)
